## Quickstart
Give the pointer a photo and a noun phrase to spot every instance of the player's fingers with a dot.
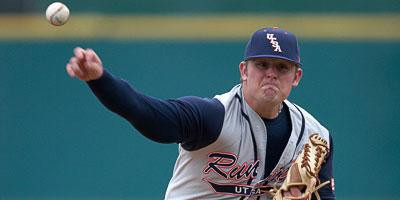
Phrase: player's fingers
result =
(79, 53)
(75, 62)
(92, 56)
(77, 71)
(70, 71)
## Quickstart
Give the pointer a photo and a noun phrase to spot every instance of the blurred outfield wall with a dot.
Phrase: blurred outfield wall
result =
(209, 6)
(58, 142)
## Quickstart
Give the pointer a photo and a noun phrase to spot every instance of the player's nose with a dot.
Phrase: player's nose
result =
(271, 72)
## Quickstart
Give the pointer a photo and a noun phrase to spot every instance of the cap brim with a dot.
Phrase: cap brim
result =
(272, 56)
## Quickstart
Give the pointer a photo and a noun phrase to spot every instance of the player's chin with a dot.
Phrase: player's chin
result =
(270, 93)
(271, 99)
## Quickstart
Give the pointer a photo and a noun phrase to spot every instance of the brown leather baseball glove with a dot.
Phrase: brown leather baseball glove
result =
(303, 173)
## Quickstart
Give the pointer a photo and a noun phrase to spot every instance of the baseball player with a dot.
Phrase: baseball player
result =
(237, 145)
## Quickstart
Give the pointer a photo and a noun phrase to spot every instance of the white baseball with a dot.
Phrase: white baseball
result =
(57, 14)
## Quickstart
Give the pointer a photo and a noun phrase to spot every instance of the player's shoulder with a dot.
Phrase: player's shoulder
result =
(226, 98)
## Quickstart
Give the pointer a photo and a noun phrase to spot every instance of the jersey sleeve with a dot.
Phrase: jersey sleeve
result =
(192, 121)
(326, 174)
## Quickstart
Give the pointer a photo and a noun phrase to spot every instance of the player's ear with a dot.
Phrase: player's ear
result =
(243, 70)
(297, 77)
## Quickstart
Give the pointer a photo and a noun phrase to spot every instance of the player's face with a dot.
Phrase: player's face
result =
(268, 81)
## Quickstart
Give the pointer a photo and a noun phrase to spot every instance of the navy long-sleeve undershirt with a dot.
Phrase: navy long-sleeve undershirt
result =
(184, 120)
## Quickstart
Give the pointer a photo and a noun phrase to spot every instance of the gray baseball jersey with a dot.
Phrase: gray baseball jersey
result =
(230, 167)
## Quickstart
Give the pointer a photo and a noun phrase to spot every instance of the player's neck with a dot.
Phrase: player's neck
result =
(269, 112)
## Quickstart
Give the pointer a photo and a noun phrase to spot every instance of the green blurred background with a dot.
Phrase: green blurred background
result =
(58, 142)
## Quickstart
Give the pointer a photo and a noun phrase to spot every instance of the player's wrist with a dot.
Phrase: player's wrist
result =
(101, 77)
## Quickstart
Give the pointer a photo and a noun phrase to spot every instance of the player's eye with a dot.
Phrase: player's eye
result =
(283, 68)
(261, 65)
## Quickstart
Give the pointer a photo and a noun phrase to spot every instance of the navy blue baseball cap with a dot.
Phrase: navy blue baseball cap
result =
(273, 43)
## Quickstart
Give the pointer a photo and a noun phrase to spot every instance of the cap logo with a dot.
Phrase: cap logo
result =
(274, 42)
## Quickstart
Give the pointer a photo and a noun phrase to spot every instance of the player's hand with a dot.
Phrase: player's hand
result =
(85, 65)
(292, 192)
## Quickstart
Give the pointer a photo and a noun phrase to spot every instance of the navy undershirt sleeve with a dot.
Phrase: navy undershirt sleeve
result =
(326, 174)
(192, 121)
